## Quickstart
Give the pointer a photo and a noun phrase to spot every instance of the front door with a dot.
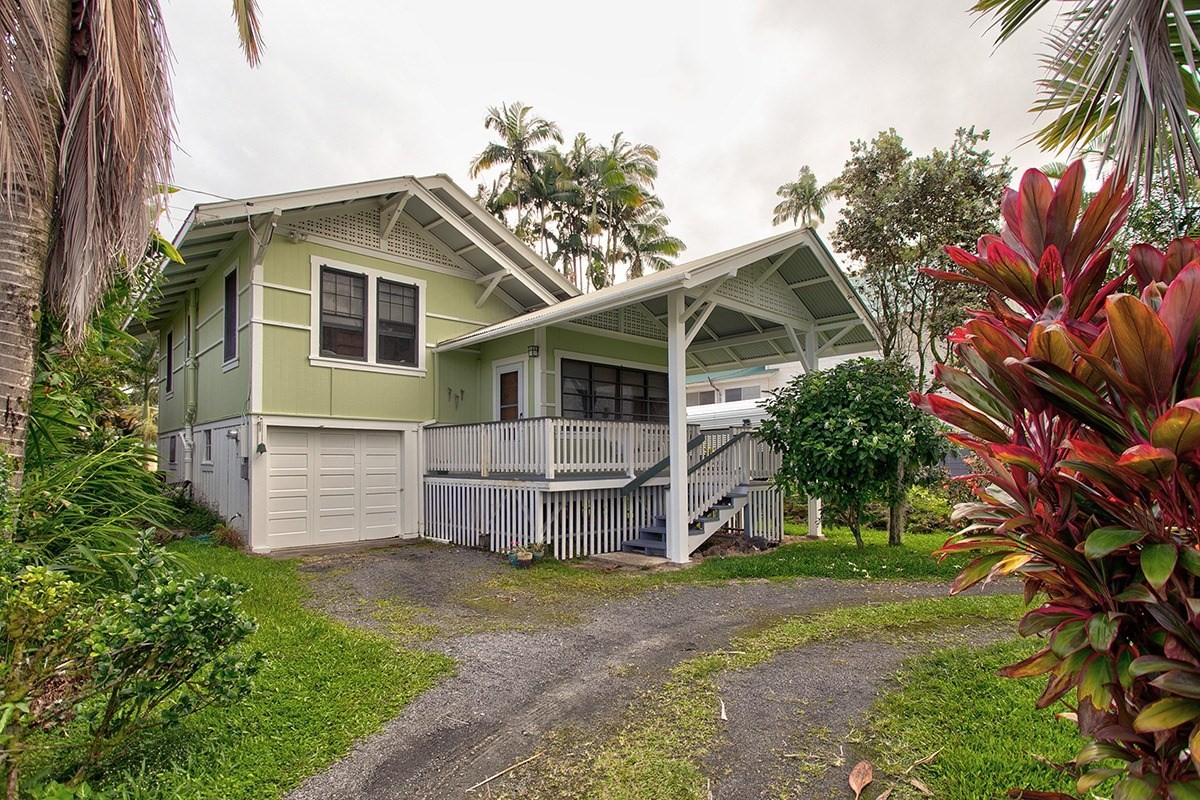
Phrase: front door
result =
(510, 391)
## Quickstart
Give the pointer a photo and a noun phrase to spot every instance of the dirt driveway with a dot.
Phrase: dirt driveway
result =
(516, 686)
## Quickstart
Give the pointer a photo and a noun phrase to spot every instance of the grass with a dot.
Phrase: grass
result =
(837, 557)
(997, 730)
(324, 686)
(656, 754)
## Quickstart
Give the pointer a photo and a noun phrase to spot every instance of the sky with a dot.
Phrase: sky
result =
(737, 96)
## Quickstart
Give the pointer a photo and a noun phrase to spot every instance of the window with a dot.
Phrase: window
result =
(208, 445)
(704, 398)
(170, 365)
(343, 314)
(602, 391)
(397, 324)
(231, 316)
(171, 453)
(742, 393)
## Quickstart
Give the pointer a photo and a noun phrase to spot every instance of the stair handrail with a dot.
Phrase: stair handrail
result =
(728, 444)
(657, 469)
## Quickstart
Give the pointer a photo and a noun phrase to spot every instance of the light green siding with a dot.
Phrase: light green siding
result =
(222, 392)
(294, 386)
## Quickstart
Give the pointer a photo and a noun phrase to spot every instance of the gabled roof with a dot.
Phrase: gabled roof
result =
(758, 301)
(433, 208)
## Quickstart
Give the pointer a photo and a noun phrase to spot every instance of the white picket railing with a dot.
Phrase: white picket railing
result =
(726, 466)
(546, 447)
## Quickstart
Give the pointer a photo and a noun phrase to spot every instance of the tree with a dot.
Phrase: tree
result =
(1081, 402)
(1121, 72)
(85, 139)
(900, 211)
(803, 200)
(522, 133)
(848, 436)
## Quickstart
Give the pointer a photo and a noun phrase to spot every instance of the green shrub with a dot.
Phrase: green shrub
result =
(192, 515)
(929, 511)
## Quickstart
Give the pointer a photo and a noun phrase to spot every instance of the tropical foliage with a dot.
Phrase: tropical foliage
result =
(85, 139)
(1122, 72)
(589, 209)
(900, 210)
(1081, 400)
(847, 435)
(802, 201)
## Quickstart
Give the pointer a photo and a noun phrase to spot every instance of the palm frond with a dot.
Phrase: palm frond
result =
(26, 58)
(115, 151)
(245, 12)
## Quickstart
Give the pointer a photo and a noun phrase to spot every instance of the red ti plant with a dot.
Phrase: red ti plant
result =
(1081, 401)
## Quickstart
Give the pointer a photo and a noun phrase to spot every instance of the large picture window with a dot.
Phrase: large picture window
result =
(397, 326)
(343, 314)
(604, 391)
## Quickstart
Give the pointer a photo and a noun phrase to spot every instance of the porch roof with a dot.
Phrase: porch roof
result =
(754, 304)
(433, 208)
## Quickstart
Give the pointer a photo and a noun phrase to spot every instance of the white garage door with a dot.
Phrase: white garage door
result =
(327, 486)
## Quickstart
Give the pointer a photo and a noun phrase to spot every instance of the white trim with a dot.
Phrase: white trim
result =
(237, 312)
(373, 276)
(463, 320)
(272, 323)
(282, 287)
(501, 365)
(210, 317)
(559, 355)
(300, 421)
(212, 346)
(386, 369)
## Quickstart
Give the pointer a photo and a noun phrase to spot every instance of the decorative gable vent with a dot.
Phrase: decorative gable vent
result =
(633, 320)
(361, 229)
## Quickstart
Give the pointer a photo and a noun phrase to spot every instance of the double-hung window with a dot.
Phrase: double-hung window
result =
(367, 319)
(397, 324)
(343, 314)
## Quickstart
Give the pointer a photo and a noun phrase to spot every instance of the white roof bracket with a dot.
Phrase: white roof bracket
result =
(775, 265)
(260, 236)
(698, 324)
(708, 293)
(491, 287)
(389, 215)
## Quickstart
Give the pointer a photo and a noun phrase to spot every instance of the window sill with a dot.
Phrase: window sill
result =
(228, 365)
(337, 363)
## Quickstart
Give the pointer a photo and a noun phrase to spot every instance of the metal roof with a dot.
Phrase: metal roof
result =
(764, 295)
(456, 231)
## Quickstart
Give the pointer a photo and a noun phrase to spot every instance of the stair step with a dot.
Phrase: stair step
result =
(645, 546)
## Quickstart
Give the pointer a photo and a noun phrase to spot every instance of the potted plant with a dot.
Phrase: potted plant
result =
(519, 555)
(539, 551)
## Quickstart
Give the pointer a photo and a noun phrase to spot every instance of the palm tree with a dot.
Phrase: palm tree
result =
(803, 200)
(85, 139)
(522, 134)
(1123, 72)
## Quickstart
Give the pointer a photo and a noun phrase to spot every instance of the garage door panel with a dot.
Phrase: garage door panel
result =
(328, 486)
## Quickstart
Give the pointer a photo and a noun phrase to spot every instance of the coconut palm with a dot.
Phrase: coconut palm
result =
(803, 200)
(519, 152)
(1123, 72)
(85, 139)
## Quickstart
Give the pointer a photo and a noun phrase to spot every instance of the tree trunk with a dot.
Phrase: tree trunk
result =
(855, 520)
(898, 513)
(26, 226)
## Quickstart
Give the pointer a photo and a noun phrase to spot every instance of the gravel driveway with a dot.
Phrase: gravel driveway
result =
(514, 687)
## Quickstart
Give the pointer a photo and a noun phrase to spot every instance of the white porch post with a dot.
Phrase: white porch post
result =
(677, 527)
(811, 364)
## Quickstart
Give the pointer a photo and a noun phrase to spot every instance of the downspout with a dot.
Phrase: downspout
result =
(192, 362)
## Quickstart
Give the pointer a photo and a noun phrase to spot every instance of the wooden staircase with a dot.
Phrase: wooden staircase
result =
(652, 539)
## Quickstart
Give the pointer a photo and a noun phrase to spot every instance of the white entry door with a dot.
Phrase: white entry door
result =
(327, 486)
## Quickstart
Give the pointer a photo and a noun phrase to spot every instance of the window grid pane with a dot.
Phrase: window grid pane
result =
(599, 391)
(397, 323)
(343, 314)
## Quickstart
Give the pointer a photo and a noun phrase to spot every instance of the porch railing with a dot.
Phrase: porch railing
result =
(711, 478)
(546, 446)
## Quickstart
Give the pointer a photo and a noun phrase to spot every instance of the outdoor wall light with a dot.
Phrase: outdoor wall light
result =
(262, 448)
(534, 350)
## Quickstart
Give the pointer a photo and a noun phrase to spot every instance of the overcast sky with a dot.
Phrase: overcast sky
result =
(736, 95)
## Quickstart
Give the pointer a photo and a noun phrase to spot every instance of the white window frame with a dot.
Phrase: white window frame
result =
(506, 365)
(228, 364)
(169, 362)
(208, 447)
(372, 288)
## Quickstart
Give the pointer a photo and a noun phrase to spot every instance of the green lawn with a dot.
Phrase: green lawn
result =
(997, 732)
(838, 557)
(323, 686)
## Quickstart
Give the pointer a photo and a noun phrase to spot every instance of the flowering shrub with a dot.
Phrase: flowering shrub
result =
(1081, 402)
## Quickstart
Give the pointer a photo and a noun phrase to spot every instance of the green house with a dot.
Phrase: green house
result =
(386, 359)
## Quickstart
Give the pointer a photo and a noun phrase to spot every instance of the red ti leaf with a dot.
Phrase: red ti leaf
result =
(1149, 461)
(1147, 263)
(955, 413)
(1143, 344)
(1064, 207)
(1180, 310)
(1178, 430)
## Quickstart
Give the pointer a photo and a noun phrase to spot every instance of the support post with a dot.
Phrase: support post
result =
(677, 522)
(812, 364)
(548, 434)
